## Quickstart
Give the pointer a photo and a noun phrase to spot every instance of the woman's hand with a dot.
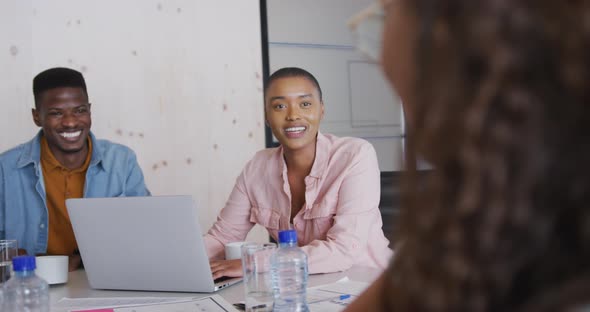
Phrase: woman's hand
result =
(74, 262)
(229, 268)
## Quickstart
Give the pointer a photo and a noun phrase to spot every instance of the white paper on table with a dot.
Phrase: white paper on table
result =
(344, 286)
(68, 304)
(331, 291)
(213, 303)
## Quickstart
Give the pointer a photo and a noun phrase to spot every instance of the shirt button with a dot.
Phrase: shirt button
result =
(42, 226)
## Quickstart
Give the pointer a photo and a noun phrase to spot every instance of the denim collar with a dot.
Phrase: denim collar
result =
(32, 153)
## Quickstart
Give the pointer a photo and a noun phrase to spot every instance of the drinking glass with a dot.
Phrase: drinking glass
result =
(257, 279)
(8, 250)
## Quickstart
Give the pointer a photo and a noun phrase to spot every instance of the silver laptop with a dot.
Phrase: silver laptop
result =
(142, 243)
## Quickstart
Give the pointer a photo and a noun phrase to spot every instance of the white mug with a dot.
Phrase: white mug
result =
(53, 269)
(233, 250)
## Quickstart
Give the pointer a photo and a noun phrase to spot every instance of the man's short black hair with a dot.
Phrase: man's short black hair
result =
(57, 77)
(286, 72)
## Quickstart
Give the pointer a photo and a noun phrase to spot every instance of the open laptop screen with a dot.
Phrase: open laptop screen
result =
(141, 243)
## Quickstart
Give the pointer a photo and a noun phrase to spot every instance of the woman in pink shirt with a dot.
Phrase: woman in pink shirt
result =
(325, 187)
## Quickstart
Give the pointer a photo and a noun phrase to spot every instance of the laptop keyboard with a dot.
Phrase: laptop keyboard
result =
(221, 279)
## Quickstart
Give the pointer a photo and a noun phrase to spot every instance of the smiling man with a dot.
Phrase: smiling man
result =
(64, 160)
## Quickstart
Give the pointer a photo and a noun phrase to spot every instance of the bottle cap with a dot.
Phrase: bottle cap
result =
(24, 263)
(287, 236)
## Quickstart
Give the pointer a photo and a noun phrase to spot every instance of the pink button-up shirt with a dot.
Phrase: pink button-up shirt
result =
(339, 224)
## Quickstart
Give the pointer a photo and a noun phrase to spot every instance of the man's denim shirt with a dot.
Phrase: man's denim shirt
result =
(113, 171)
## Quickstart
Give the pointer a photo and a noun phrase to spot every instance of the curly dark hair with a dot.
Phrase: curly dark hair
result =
(503, 115)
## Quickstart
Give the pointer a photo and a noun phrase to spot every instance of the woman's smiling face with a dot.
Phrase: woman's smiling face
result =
(293, 111)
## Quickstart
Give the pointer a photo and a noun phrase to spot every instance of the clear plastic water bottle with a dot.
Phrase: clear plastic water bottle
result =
(289, 275)
(25, 291)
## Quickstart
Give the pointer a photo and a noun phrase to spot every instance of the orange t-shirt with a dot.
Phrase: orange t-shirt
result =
(61, 184)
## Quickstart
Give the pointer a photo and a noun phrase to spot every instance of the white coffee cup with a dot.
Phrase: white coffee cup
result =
(233, 250)
(53, 269)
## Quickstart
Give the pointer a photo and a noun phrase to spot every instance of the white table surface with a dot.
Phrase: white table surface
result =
(77, 287)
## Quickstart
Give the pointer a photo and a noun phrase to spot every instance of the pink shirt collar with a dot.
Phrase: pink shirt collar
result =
(320, 163)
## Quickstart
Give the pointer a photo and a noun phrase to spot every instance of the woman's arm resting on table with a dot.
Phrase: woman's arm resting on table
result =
(233, 222)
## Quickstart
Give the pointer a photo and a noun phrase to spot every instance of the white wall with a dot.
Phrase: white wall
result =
(179, 81)
(314, 35)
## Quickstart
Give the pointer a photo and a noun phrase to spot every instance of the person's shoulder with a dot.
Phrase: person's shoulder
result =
(265, 157)
(112, 155)
(12, 155)
(107, 147)
(263, 160)
(348, 145)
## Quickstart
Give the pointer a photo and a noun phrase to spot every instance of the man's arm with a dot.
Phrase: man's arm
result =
(135, 183)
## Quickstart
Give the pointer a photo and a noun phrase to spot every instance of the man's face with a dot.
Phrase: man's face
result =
(294, 111)
(64, 116)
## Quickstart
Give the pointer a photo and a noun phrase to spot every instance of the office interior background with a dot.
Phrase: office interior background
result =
(181, 81)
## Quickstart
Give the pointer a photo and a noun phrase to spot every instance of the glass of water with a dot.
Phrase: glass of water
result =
(8, 250)
(257, 280)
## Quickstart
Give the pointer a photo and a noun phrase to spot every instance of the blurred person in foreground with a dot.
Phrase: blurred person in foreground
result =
(497, 99)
